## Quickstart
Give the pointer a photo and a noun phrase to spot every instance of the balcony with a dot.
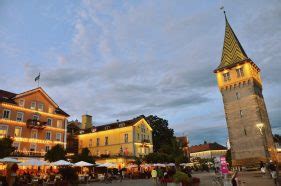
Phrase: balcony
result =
(35, 124)
(145, 141)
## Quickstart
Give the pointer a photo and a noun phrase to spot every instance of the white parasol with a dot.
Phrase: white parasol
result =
(61, 163)
(9, 160)
(83, 164)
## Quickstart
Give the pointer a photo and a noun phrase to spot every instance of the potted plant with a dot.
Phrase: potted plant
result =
(181, 179)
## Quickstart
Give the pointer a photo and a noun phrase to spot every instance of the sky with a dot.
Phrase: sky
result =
(121, 59)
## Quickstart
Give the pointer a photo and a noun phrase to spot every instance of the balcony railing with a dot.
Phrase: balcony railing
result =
(36, 124)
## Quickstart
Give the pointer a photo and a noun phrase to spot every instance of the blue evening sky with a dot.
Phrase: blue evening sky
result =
(120, 59)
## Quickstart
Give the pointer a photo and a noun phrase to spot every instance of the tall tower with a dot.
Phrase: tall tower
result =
(247, 120)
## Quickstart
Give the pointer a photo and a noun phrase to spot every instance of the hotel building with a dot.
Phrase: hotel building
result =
(207, 150)
(33, 120)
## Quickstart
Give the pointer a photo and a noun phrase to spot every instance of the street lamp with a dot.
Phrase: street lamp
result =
(260, 127)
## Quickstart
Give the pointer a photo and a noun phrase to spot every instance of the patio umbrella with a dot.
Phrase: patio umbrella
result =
(9, 160)
(34, 162)
(107, 165)
(83, 164)
(61, 163)
(170, 164)
(159, 165)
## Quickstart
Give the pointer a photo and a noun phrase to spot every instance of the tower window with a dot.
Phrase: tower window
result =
(237, 95)
(240, 72)
(226, 76)
(245, 132)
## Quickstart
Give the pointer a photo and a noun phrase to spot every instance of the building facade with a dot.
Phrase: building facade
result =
(247, 120)
(130, 138)
(207, 150)
(33, 120)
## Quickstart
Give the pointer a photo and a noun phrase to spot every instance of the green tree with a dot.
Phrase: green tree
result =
(162, 135)
(138, 162)
(6, 147)
(56, 153)
(85, 155)
(228, 157)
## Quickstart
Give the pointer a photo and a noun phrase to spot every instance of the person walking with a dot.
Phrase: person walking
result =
(154, 176)
(121, 175)
(234, 179)
(272, 169)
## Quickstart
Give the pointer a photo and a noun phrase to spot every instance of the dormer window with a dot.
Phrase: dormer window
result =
(226, 76)
(107, 127)
(33, 105)
(51, 110)
(21, 102)
(122, 125)
(40, 107)
(240, 72)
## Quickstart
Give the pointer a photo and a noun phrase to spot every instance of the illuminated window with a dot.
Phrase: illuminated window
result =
(16, 145)
(48, 135)
(237, 95)
(47, 148)
(49, 121)
(106, 140)
(33, 105)
(34, 133)
(32, 147)
(3, 130)
(6, 114)
(17, 132)
(126, 137)
(59, 123)
(58, 137)
(40, 106)
(240, 72)
(226, 76)
(90, 143)
(98, 141)
(36, 117)
(21, 102)
(19, 116)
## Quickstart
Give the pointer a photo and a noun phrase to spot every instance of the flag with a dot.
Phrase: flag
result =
(37, 78)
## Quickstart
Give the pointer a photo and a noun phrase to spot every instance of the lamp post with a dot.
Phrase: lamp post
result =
(261, 128)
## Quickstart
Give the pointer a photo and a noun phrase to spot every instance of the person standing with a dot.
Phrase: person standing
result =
(121, 175)
(272, 169)
(154, 176)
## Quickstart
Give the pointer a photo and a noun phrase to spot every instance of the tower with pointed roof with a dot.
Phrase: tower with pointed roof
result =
(247, 120)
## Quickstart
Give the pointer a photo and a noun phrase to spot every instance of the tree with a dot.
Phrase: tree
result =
(56, 153)
(6, 146)
(138, 162)
(84, 156)
(162, 134)
(277, 138)
(228, 157)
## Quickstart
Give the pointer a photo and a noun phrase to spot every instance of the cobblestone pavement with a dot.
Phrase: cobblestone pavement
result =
(206, 179)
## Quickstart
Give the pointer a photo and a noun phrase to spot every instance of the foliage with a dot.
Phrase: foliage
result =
(159, 158)
(56, 153)
(84, 156)
(277, 138)
(161, 134)
(138, 162)
(228, 157)
(69, 174)
(6, 147)
(181, 177)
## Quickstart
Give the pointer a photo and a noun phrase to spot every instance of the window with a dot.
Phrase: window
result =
(19, 116)
(33, 133)
(16, 145)
(226, 76)
(240, 72)
(48, 135)
(32, 147)
(17, 132)
(90, 143)
(241, 113)
(98, 142)
(40, 106)
(49, 121)
(47, 148)
(59, 123)
(245, 132)
(3, 130)
(106, 141)
(126, 138)
(58, 137)
(33, 105)
(51, 110)
(6, 114)
(36, 117)
(21, 102)
(237, 95)
(138, 136)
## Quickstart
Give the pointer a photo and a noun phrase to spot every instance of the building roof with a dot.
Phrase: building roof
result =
(117, 124)
(233, 51)
(206, 147)
(9, 97)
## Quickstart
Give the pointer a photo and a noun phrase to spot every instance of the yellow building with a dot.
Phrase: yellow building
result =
(130, 138)
(207, 150)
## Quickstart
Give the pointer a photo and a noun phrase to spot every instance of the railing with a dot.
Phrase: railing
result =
(36, 124)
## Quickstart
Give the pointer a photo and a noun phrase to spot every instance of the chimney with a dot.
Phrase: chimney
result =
(86, 121)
